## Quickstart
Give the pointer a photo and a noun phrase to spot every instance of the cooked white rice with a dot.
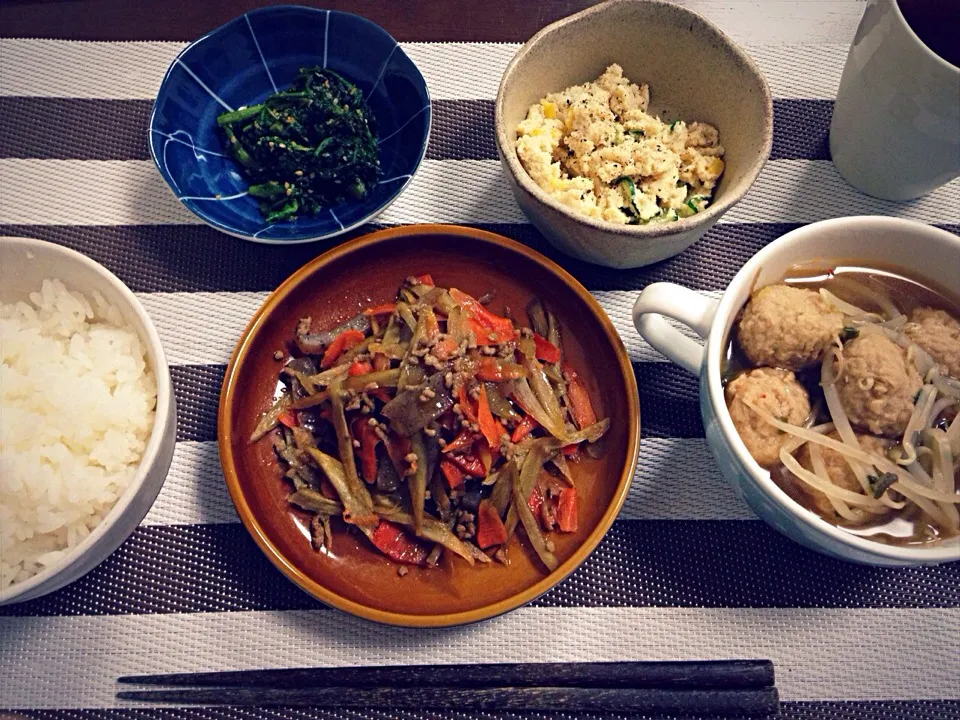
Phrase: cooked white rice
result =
(77, 400)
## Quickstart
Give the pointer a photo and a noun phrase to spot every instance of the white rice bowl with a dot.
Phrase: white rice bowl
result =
(77, 406)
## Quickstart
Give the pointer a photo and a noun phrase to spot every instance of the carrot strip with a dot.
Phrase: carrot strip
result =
(490, 528)
(489, 426)
(567, 510)
(341, 343)
(580, 406)
(526, 426)
(384, 309)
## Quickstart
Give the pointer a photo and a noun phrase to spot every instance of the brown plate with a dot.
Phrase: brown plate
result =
(367, 271)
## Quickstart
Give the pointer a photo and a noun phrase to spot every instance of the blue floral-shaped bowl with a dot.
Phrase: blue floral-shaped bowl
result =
(254, 55)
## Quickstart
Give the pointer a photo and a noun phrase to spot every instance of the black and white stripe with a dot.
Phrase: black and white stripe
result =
(462, 129)
(651, 563)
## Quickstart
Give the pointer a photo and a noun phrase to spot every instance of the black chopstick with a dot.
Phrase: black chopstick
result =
(704, 675)
(755, 702)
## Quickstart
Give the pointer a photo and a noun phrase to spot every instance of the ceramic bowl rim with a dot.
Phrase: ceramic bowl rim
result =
(297, 240)
(266, 545)
(163, 424)
(725, 312)
(652, 230)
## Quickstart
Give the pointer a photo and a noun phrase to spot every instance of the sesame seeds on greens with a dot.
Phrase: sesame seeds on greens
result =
(306, 148)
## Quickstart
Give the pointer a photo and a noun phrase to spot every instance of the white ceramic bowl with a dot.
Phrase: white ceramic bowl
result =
(695, 72)
(921, 251)
(24, 264)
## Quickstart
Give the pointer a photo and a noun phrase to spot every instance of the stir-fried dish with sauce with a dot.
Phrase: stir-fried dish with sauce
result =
(846, 386)
(432, 424)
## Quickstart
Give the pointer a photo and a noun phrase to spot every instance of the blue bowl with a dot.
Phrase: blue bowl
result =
(242, 62)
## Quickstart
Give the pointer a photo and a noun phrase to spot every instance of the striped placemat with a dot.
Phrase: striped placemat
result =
(687, 570)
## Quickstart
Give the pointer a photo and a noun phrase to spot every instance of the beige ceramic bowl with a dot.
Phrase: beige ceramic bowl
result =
(694, 71)
(24, 265)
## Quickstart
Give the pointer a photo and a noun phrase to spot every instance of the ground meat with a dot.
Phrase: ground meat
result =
(878, 385)
(787, 327)
(776, 391)
(838, 470)
(937, 332)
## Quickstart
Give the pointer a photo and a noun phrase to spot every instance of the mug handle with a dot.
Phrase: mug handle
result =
(682, 304)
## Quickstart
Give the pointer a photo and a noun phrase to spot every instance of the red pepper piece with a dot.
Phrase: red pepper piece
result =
(359, 367)
(452, 473)
(571, 451)
(567, 510)
(368, 448)
(463, 441)
(425, 279)
(545, 350)
(466, 406)
(490, 529)
(288, 418)
(396, 544)
(385, 309)
(494, 370)
(487, 328)
(470, 464)
(341, 343)
(489, 426)
(526, 426)
(580, 406)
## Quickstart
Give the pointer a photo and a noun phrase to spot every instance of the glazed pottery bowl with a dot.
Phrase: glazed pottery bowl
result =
(866, 241)
(251, 57)
(694, 71)
(352, 576)
(24, 265)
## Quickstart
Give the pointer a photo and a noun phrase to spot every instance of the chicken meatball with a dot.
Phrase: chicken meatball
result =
(878, 385)
(776, 391)
(788, 327)
(937, 332)
(838, 470)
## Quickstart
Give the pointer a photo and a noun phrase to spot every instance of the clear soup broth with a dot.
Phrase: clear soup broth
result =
(892, 302)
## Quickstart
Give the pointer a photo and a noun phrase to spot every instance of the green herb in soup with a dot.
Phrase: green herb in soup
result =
(307, 148)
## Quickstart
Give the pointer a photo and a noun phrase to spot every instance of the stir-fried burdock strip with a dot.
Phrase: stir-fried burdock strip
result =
(432, 424)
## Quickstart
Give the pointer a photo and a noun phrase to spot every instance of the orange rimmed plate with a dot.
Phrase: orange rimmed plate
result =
(352, 576)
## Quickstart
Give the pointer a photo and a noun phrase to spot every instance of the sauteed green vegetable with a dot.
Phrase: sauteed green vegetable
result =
(433, 425)
(306, 148)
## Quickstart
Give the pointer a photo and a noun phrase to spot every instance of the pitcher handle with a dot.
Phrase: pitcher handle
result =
(682, 304)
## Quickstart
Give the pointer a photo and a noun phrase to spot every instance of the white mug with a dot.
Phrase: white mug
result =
(895, 132)
(934, 256)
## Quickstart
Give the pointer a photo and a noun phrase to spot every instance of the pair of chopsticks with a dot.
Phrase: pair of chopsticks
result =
(728, 687)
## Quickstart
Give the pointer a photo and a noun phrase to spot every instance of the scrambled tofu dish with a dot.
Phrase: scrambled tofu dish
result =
(595, 149)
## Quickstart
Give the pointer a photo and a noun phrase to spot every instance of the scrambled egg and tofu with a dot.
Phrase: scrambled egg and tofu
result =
(595, 149)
